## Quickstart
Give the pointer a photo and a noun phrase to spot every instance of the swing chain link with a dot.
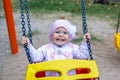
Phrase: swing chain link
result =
(22, 18)
(24, 29)
(28, 20)
(118, 22)
(85, 27)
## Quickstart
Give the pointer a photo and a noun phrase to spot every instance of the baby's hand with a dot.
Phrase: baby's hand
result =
(24, 40)
(86, 37)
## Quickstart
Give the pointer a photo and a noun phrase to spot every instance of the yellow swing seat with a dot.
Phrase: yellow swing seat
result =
(63, 66)
(117, 41)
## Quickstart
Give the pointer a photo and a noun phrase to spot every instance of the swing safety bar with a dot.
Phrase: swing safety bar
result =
(63, 66)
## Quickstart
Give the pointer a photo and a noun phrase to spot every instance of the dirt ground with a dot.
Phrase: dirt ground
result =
(13, 67)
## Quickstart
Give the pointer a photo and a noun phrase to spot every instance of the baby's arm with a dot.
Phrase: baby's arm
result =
(36, 55)
(83, 49)
(82, 52)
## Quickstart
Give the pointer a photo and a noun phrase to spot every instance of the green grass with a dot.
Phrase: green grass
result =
(54, 5)
(72, 6)
(103, 11)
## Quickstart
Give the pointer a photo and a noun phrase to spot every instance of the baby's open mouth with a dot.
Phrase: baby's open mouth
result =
(59, 39)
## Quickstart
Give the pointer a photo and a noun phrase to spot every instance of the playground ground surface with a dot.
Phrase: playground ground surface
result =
(13, 67)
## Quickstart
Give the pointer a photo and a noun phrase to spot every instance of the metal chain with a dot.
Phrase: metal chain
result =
(28, 21)
(85, 29)
(24, 29)
(84, 25)
(118, 21)
(22, 18)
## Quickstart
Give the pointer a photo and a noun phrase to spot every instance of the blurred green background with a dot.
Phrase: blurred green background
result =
(73, 6)
(109, 10)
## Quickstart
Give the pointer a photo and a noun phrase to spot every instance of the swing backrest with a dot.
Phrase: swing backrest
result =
(63, 66)
(117, 41)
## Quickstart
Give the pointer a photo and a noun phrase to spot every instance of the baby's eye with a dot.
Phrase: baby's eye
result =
(65, 32)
